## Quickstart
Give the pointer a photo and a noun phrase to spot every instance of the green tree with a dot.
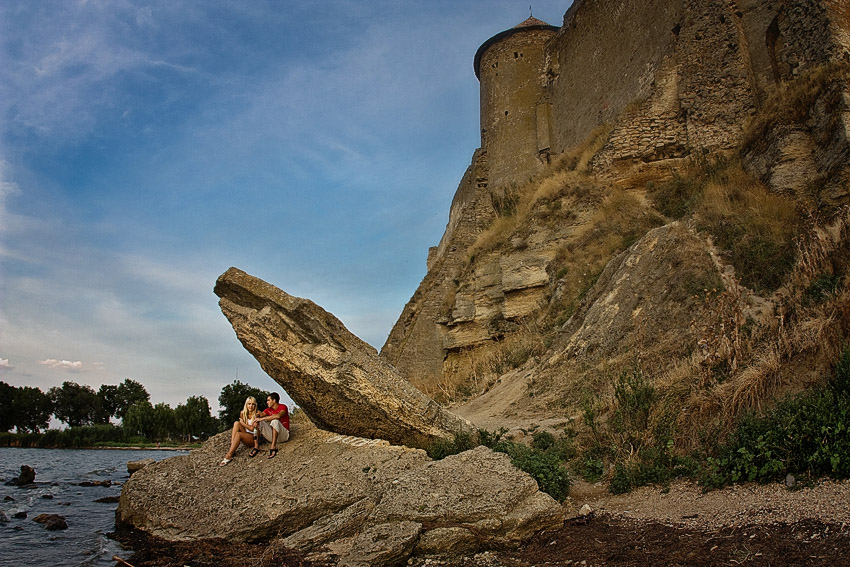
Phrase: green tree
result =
(32, 409)
(139, 419)
(164, 422)
(117, 399)
(7, 406)
(129, 393)
(232, 400)
(108, 394)
(194, 418)
(75, 404)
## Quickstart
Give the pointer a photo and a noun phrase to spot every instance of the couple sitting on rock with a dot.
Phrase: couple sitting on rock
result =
(272, 423)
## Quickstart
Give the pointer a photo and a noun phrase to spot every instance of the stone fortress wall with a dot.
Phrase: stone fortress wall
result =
(515, 113)
(669, 77)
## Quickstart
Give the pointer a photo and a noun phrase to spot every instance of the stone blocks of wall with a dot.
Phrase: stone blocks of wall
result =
(605, 57)
(514, 114)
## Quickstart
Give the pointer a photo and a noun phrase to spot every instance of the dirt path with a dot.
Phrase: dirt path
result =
(505, 405)
(684, 504)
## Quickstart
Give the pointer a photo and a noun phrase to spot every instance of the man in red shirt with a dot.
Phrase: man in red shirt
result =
(274, 424)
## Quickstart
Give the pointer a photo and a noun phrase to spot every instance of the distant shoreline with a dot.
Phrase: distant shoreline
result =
(111, 448)
(186, 448)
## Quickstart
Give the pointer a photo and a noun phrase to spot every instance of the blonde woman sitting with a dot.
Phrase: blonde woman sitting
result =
(244, 431)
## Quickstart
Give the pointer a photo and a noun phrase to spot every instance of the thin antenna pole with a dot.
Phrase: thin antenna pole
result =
(530, 13)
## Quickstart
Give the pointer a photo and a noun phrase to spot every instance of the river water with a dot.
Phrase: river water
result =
(57, 490)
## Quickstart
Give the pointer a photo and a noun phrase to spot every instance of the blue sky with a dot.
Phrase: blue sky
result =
(145, 147)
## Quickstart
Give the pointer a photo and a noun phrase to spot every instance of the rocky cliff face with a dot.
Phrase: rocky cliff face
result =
(520, 278)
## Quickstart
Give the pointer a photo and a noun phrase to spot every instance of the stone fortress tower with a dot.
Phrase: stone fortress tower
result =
(656, 81)
(515, 114)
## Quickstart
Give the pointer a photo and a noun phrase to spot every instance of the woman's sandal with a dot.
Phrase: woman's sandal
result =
(254, 452)
(272, 453)
(224, 462)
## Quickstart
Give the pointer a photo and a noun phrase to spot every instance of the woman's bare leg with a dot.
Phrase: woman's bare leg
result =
(236, 436)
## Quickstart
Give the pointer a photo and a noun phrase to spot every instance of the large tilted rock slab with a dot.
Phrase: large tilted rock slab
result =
(349, 500)
(336, 378)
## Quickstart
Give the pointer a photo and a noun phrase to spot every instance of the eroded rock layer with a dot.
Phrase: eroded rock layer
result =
(335, 377)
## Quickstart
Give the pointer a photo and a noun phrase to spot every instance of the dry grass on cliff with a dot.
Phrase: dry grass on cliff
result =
(745, 364)
(472, 372)
(578, 158)
(556, 192)
(754, 227)
(621, 219)
(792, 102)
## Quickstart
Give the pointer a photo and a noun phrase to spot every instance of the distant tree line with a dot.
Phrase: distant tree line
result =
(27, 409)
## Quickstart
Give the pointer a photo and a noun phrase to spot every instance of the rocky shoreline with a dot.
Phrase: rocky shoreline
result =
(678, 525)
(338, 498)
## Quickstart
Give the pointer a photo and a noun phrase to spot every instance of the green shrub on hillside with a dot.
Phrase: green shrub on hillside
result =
(441, 449)
(808, 434)
(754, 226)
(545, 460)
(822, 288)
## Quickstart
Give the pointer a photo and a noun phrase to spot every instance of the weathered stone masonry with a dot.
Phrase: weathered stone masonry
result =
(669, 77)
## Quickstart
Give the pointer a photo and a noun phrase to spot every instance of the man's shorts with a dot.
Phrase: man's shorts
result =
(265, 428)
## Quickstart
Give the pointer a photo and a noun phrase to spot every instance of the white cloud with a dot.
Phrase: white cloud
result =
(4, 365)
(75, 366)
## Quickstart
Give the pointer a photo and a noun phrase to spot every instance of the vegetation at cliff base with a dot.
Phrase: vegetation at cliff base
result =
(545, 459)
(806, 435)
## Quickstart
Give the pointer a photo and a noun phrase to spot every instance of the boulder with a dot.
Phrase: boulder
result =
(133, 466)
(447, 541)
(339, 498)
(26, 477)
(51, 521)
(95, 483)
(382, 545)
(336, 378)
(478, 490)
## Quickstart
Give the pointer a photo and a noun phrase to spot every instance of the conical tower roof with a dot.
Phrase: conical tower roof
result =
(531, 23)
